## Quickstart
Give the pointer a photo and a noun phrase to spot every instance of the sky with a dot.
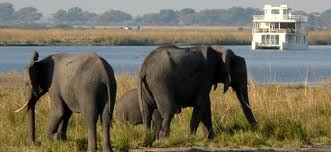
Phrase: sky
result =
(139, 7)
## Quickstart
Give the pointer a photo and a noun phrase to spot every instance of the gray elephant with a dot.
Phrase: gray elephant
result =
(171, 76)
(127, 111)
(127, 108)
(82, 83)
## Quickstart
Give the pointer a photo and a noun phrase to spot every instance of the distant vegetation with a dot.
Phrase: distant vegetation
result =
(288, 117)
(235, 16)
(151, 35)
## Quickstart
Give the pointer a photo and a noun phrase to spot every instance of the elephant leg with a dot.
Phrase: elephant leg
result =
(195, 120)
(62, 133)
(90, 112)
(92, 132)
(167, 107)
(105, 122)
(202, 112)
(147, 112)
(157, 123)
(206, 121)
(56, 116)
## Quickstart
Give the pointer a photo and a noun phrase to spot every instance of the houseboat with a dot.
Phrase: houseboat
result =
(279, 29)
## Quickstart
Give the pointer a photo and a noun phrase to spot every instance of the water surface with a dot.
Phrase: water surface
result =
(265, 66)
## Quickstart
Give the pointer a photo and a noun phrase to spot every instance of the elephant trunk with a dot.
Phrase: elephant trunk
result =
(242, 95)
(31, 121)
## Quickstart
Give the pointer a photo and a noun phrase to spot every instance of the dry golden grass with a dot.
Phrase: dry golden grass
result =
(321, 37)
(151, 36)
(287, 116)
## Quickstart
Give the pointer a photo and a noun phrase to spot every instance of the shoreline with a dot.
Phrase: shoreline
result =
(153, 36)
(27, 45)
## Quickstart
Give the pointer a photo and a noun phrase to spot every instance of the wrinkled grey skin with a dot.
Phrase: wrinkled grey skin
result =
(82, 83)
(127, 108)
(127, 111)
(172, 76)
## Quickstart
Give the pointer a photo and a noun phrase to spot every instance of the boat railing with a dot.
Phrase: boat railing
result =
(267, 43)
(289, 30)
(298, 18)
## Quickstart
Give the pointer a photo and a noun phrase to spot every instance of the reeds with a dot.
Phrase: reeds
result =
(287, 116)
(151, 35)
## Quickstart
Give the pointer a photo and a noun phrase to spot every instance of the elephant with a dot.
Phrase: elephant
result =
(127, 110)
(82, 83)
(172, 76)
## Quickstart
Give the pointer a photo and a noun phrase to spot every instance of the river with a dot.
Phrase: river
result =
(310, 66)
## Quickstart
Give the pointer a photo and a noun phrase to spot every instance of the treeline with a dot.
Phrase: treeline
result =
(235, 16)
(26, 15)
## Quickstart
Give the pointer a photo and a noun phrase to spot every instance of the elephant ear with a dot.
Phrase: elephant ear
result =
(32, 70)
(34, 58)
(226, 58)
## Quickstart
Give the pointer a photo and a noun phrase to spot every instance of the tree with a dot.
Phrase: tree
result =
(27, 15)
(326, 17)
(113, 17)
(168, 17)
(164, 17)
(74, 16)
(6, 12)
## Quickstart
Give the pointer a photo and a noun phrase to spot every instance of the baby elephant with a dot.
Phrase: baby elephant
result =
(127, 111)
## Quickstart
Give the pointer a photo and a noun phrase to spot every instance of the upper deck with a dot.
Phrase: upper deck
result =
(278, 19)
(286, 18)
(278, 14)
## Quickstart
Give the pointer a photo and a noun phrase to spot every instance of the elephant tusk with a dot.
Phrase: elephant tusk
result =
(245, 102)
(20, 109)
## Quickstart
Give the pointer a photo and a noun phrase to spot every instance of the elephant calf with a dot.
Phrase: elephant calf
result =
(127, 111)
(82, 83)
(127, 108)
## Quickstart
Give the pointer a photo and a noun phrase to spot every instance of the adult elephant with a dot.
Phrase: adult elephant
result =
(172, 77)
(83, 83)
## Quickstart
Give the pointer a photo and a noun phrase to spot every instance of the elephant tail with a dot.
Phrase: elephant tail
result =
(111, 91)
(140, 90)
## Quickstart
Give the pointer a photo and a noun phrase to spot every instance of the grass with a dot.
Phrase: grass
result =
(151, 35)
(287, 116)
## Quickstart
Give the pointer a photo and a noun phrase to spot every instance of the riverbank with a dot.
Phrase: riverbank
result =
(288, 117)
(148, 36)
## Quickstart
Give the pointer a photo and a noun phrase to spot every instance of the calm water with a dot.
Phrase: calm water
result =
(264, 66)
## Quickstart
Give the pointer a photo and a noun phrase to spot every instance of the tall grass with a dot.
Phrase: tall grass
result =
(149, 36)
(287, 116)
(154, 35)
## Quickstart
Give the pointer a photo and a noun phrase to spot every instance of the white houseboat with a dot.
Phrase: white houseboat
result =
(279, 29)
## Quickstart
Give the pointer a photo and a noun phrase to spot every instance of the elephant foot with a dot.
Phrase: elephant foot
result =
(61, 136)
(57, 136)
(35, 143)
(178, 110)
(163, 134)
(210, 135)
(107, 150)
(254, 126)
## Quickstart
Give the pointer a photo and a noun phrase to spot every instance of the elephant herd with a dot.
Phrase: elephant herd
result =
(170, 78)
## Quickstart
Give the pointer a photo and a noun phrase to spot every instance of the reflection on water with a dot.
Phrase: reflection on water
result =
(264, 66)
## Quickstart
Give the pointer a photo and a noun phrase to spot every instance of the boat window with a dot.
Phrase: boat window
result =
(285, 12)
(275, 11)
